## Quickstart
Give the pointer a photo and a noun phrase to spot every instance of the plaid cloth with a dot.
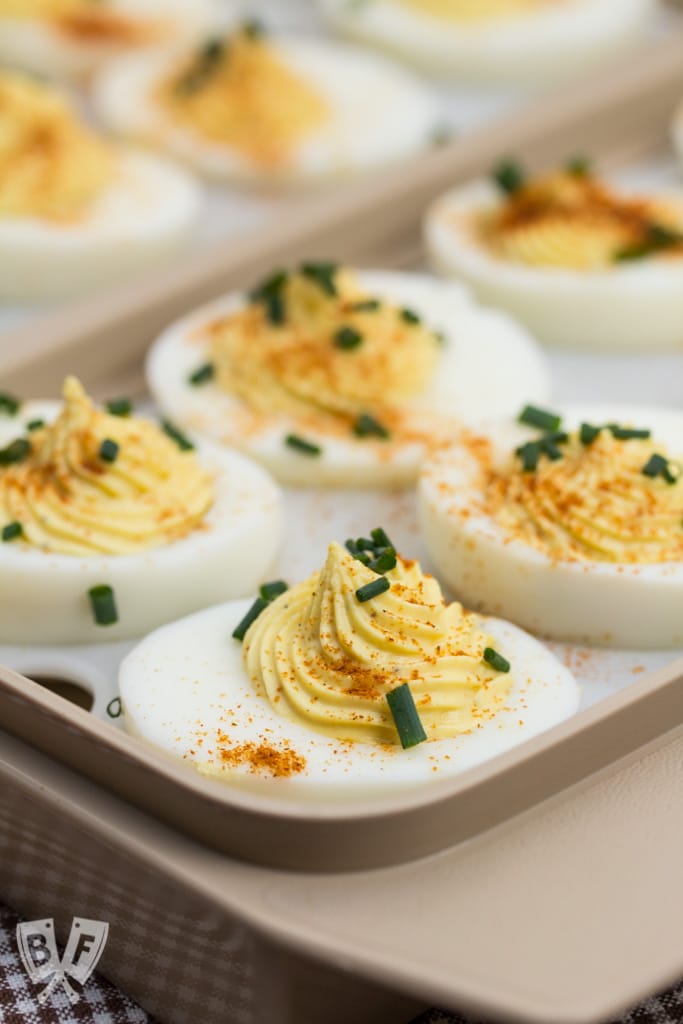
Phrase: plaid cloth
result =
(101, 1003)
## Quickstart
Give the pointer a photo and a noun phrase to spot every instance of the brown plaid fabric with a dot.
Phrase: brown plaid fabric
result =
(101, 1003)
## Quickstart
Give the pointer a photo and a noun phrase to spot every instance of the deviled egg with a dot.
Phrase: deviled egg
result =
(74, 211)
(360, 678)
(69, 38)
(330, 377)
(580, 263)
(250, 107)
(495, 40)
(571, 526)
(111, 525)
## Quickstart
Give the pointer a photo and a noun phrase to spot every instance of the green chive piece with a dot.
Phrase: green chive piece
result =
(259, 605)
(406, 718)
(509, 177)
(551, 450)
(254, 29)
(658, 465)
(323, 274)
(115, 708)
(208, 59)
(348, 338)
(372, 589)
(103, 604)
(17, 451)
(363, 544)
(119, 407)
(672, 473)
(384, 562)
(300, 444)
(588, 433)
(541, 418)
(627, 433)
(109, 450)
(270, 294)
(530, 454)
(367, 426)
(12, 531)
(35, 425)
(202, 375)
(269, 591)
(409, 316)
(9, 405)
(496, 660)
(177, 435)
(579, 166)
(658, 238)
(366, 306)
(381, 539)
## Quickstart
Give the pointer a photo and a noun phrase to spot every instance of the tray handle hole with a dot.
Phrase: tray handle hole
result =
(70, 690)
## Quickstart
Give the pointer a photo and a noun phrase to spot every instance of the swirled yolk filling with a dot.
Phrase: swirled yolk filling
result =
(473, 10)
(312, 345)
(84, 20)
(609, 500)
(51, 165)
(93, 483)
(327, 660)
(237, 91)
(574, 221)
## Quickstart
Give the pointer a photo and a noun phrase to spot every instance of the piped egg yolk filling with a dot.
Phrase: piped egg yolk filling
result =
(92, 483)
(574, 221)
(473, 10)
(327, 660)
(609, 500)
(239, 92)
(84, 20)
(313, 346)
(51, 165)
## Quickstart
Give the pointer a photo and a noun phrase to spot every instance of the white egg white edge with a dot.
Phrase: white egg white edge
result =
(528, 49)
(32, 44)
(148, 213)
(463, 385)
(44, 596)
(627, 306)
(186, 681)
(587, 602)
(381, 113)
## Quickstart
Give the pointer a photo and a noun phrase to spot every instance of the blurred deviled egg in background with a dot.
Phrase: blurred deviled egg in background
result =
(246, 105)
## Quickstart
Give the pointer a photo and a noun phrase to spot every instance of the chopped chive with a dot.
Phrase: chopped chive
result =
(300, 444)
(384, 562)
(367, 426)
(109, 450)
(119, 407)
(17, 451)
(496, 660)
(406, 718)
(579, 166)
(530, 454)
(380, 538)
(207, 61)
(12, 531)
(366, 306)
(671, 475)
(363, 544)
(372, 589)
(9, 405)
(115, 708)
(409, 316)
(254, 29)
(658, 237)
(509, 177)
(627, 433)
(658, 465)
(103, 604)
(270, 294)
(348, 338)
(541, 418)
(323, 274)
(550, 449)
(202, 375)
(35, 425)
(259, 605)
(177, 435)
(588, 433)
(269, 591)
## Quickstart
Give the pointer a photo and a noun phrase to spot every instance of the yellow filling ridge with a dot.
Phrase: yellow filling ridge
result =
(474, 10)
(85, 21)
(239, 92)
(594, 503)
(70, 500)
(324, 659)
(323, 354)
(51, 165)
(574, 221)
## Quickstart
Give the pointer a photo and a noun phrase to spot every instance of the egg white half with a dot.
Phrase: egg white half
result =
(631, 305)
(146, 214)
(380, 114)
(592, 602)
(34, 44)
(185, 683)
(44, 596)
(488, 366)
(541, 45)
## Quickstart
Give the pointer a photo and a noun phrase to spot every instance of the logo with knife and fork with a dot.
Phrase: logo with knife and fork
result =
(38, 950)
